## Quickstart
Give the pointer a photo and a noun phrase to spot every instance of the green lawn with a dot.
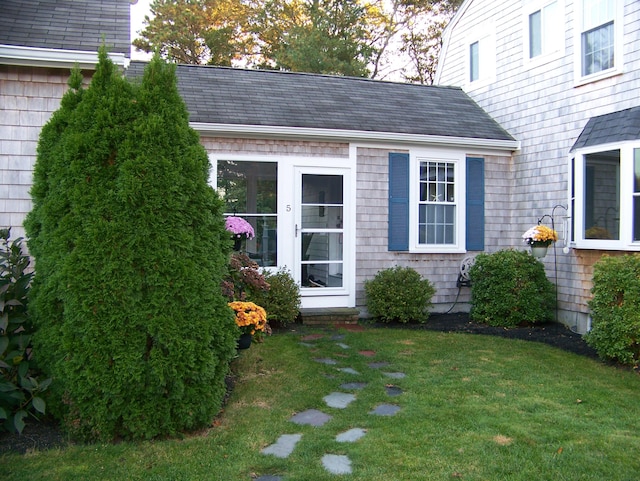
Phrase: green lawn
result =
(473, 408)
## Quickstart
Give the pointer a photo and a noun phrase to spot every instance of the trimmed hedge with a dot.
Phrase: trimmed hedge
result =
(615, 309)
(130, 249)
(399, 294)
(508, 288)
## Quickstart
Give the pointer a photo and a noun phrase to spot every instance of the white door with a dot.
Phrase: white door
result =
(321, 258)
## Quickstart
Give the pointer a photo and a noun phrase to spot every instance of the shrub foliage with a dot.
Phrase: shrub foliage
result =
(615, 309)
(20, 386)
(399, 294)
(510, 287)
(129, 243)
(282, 299)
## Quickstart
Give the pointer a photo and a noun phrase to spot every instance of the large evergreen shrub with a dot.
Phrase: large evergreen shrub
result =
(510, 287)
(129, 242)
(615, 309)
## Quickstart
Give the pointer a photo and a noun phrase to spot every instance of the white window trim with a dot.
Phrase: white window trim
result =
(618, 38)
(625, 243)
(486, 36)
(543, 58)
(459, 161)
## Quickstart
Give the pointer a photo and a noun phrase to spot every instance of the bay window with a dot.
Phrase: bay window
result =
(606, 197)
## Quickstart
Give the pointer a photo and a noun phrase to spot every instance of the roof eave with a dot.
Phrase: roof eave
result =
(56, 58)
(279, 132)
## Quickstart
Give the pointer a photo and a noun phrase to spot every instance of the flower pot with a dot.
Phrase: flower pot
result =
(539, 251)
(244, 342)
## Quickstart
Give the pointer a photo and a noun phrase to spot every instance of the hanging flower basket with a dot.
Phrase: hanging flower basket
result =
(240, 231)
(540, 237)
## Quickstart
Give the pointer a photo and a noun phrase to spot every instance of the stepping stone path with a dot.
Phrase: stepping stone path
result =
(334, 463)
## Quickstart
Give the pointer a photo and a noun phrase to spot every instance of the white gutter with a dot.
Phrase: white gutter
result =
(56, 58)
(241, 130)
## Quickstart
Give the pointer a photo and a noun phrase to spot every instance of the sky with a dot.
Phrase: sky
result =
(138, 11)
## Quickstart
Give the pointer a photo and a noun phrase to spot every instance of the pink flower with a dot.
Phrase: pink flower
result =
(239, 227)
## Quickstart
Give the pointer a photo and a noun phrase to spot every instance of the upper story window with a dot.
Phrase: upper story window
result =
(481, 57)
(606, 197)
(544, 27)
(600, 39)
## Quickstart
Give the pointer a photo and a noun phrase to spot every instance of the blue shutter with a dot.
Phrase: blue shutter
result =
(475, 204)
(398, 202)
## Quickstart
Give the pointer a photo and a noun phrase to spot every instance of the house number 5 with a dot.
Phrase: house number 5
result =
(288, 208)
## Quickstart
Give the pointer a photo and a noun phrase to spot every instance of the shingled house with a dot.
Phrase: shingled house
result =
(340, 177)
(563, 77)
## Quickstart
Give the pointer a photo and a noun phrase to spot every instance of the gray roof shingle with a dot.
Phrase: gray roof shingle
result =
(66, 24)
(617, 126)
(220, 95)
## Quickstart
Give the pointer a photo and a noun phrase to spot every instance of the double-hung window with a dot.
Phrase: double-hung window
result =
(481, 56)
(544, 27)
(605, 197)
(600, 38)
(436, 202)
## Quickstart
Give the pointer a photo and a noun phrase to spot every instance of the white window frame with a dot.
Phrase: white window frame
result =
(486, 39)
(552, 31)
(625, 243)
(580, 27)
(458, 159)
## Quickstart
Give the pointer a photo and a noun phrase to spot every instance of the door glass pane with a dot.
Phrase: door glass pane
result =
(249, 190)
(636, 197)
(321, 236)
(602, 195)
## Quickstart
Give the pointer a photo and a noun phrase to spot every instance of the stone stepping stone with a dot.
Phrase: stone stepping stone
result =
(367, 353)
(378, 365)
(385, 410)
(393, 390)
(395, 375)
(349, 370)
(336, 464)
(351, 436)
(348, 386)
(342, 345)
(284, 446)
(325, 360)
(312, 417)
(338, 337)
(269, 478)
(339, 400)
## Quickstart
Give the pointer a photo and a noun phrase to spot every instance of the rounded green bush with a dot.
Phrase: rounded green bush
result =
(399, 294)
(510, 287)
(615, 309)
(282, 299)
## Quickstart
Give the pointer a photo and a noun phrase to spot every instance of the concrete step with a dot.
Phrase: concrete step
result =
(330, 315)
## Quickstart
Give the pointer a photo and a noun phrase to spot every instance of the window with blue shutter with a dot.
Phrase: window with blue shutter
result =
(475, 204)
(398, 202)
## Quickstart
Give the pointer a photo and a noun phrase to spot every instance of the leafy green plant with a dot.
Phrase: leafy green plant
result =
(399, 294)
(20, 388)
(130, 245)
(282, 300)
(508, 288)
(615, 309)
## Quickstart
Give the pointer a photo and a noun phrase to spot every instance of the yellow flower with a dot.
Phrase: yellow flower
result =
(250, 317)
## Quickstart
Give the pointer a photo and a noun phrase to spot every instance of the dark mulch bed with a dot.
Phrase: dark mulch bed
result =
(40, 436)
(552, 333)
